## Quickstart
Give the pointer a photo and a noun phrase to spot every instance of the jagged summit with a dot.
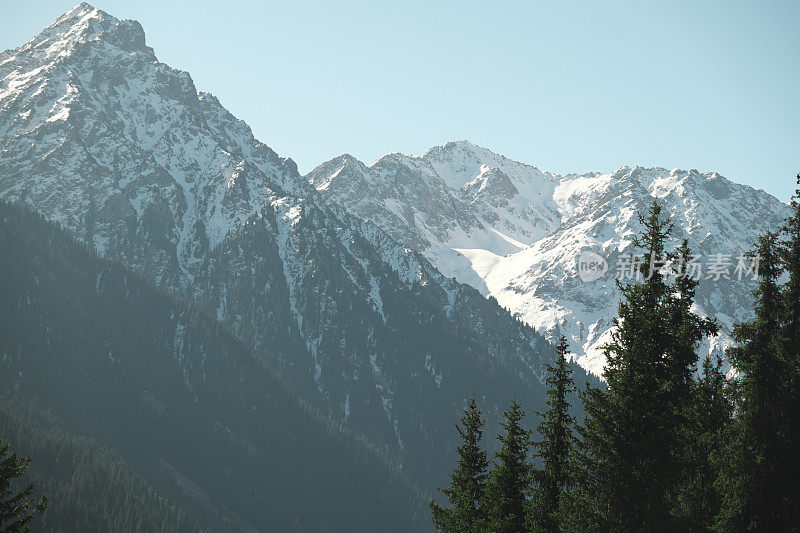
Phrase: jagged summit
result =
(85, 23)
(80, 15)
(343, 165)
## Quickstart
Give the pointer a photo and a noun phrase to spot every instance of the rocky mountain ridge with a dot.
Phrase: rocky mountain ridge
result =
(516, 233)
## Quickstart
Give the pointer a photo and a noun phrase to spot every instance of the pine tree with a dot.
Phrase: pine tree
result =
(754, 481)
(556, 447)
(710, 418)
(636, 430)
(790, 260)
(625, 431)
(468, 479)
(682, 411)
(508, 487)
(16, 510)
(687, 329)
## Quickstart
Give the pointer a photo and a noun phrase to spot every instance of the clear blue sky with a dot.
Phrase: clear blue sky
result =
(568, 87)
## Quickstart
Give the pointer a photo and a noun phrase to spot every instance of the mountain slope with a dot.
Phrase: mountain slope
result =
(392, 348)
(98, 135)
(194, 412)
(89, 487)
(515, 232)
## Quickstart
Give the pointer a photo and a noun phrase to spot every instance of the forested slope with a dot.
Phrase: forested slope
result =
(89, 486)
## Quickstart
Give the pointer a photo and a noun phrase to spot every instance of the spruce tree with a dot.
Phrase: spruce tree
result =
(790, 260)
(636, 431)
(556, 446)
(682, 411)
(468, 479)
(16, 509)
(710, 418)
(758, 482)
(754, 481)
(508, 487)
(686, 330)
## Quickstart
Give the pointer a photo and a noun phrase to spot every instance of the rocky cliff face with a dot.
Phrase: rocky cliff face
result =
(515, 232)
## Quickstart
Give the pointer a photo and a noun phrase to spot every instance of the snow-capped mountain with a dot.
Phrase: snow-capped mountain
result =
(516, 233)
(100, 135)
(122, 150)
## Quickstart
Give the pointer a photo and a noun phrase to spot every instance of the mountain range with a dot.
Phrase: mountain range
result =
(516, 233)
(126, 155)
(382, 296)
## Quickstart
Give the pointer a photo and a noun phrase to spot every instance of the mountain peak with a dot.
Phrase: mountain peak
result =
(463, 144)
(84, 23)
(342, 161)
(455, 148)
(80, 12)
(341, 167)
(78, 20)
(83, 9)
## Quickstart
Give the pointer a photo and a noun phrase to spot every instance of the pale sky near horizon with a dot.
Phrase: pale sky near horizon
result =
(564, 86)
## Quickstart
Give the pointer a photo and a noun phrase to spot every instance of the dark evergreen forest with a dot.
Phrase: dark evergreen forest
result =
(672, 443)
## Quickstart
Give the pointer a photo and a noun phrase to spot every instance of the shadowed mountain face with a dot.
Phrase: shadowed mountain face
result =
(122, 150)
(177, 397)
(515, 232)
